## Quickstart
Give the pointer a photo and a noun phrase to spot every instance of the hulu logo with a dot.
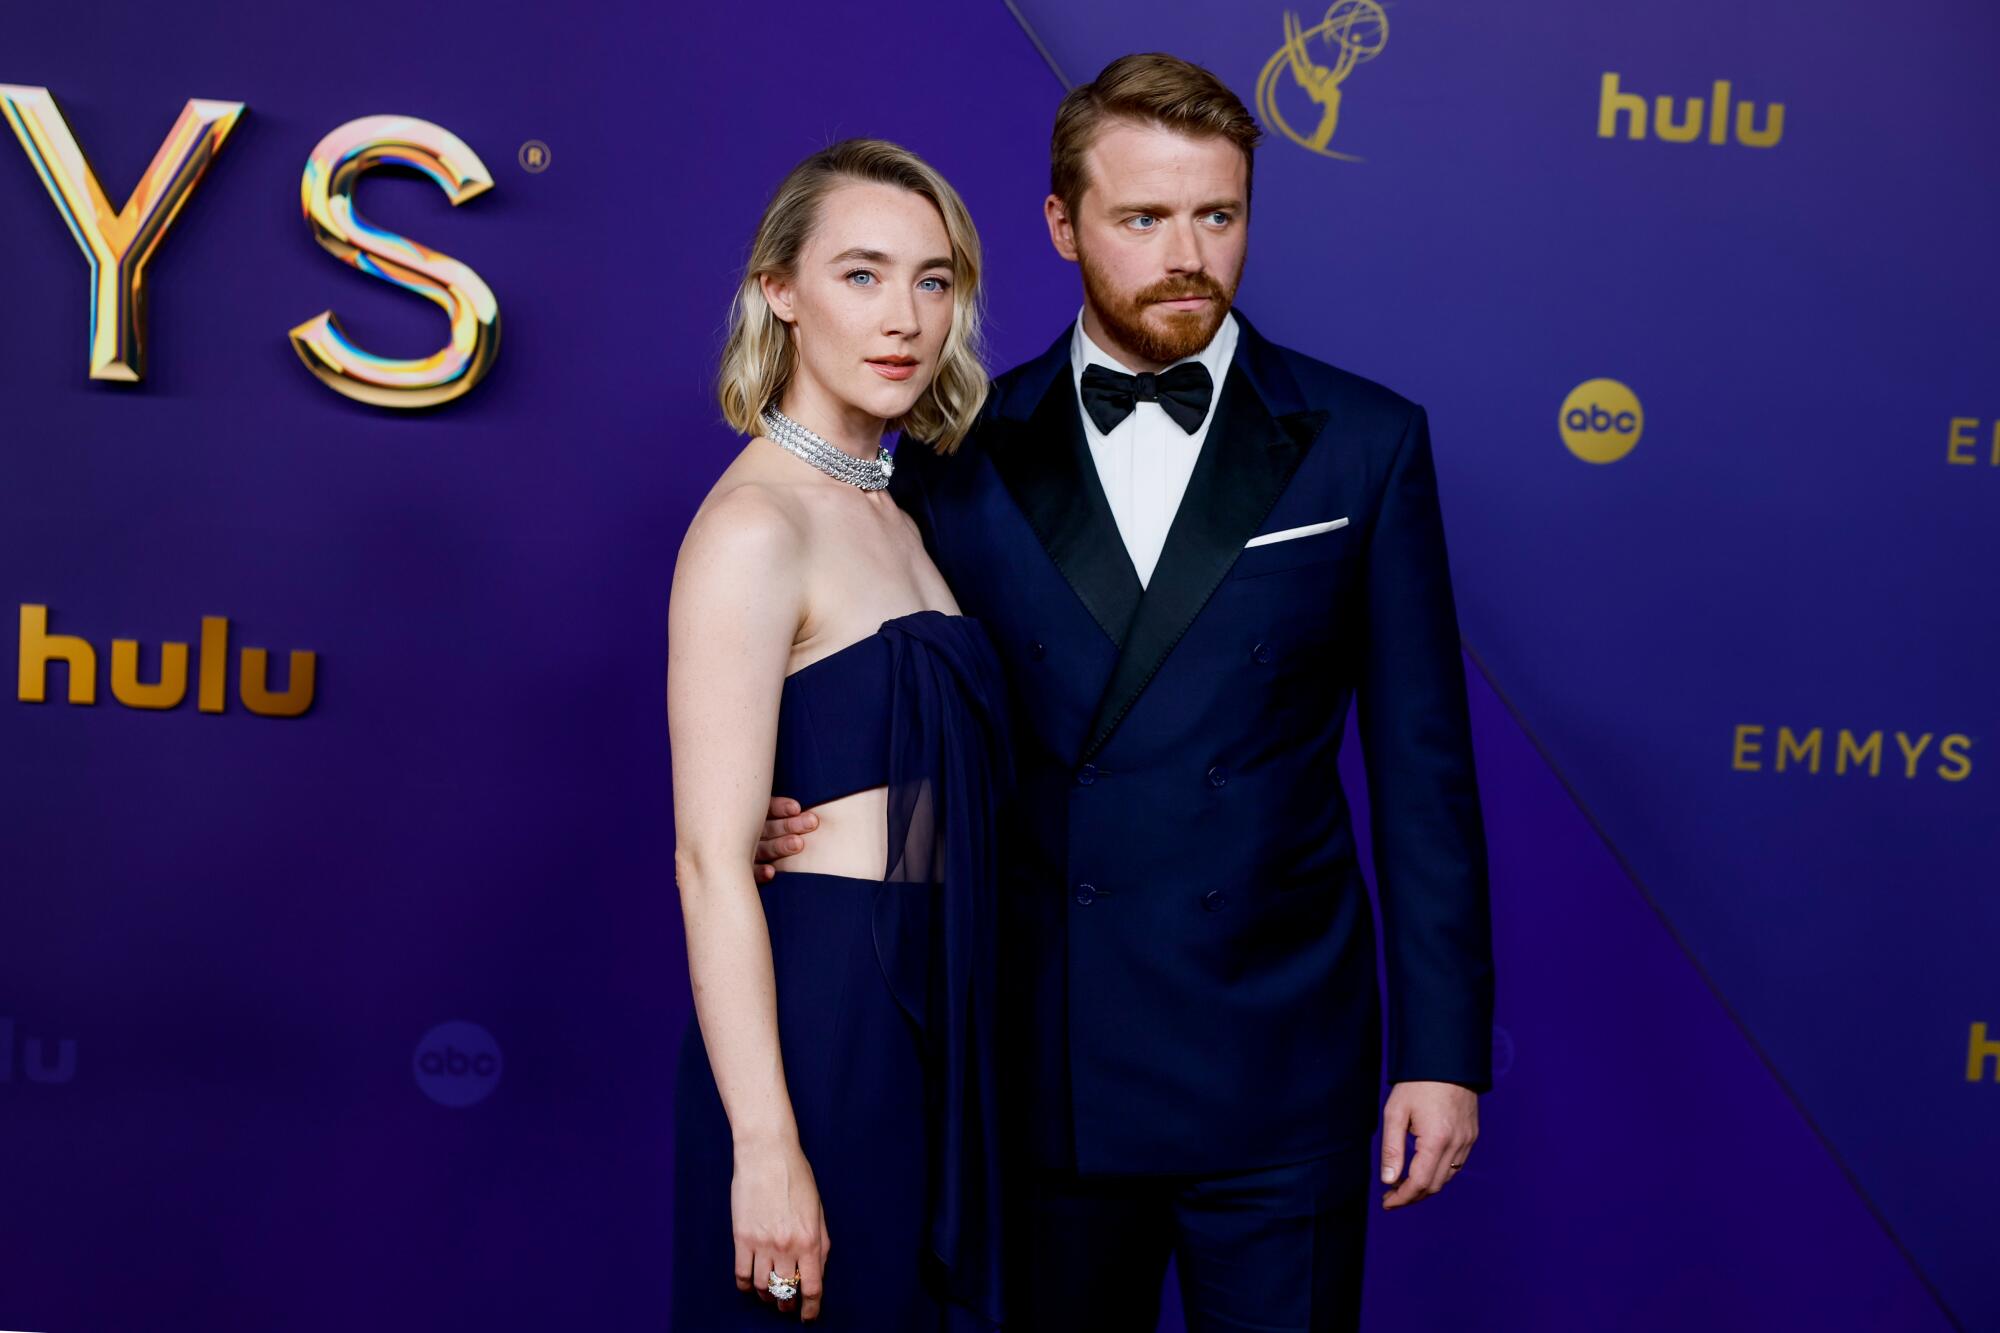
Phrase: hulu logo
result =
(39, 648)
(37, 1063)
(1683, 123)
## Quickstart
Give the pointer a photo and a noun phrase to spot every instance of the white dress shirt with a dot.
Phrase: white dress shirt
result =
(1145, 462)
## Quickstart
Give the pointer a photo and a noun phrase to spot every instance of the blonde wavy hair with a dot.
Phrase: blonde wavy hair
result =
(758, 358)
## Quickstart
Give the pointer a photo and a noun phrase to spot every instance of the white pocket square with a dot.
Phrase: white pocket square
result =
(1289, 534)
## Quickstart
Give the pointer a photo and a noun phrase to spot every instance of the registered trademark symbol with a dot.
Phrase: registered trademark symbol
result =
(534, 156)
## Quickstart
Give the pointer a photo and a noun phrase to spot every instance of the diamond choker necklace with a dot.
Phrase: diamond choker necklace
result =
(868, 474)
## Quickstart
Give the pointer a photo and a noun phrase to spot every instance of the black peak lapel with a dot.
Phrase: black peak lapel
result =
(1046, 465)
(1246, 461)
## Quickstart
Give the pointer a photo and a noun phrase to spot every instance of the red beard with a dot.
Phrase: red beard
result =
(1170, 334)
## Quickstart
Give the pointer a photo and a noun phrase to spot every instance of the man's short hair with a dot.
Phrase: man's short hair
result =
(1151, 88)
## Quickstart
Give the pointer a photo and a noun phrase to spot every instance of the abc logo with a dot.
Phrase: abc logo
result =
(1600, 421)
(457, 1064)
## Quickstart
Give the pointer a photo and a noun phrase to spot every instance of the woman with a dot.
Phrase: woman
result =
(840, 1081)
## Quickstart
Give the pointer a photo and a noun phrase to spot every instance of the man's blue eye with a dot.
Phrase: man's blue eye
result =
(1146, 218)
(1219, 218)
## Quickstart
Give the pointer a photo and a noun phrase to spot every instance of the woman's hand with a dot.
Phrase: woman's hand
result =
(775, 1211)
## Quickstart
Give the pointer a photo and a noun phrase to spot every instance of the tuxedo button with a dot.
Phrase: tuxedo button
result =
(1261, 653)
(1086, 894)
(1037, 651)
(1086, 775)
(1213, 900)
(1218, 776)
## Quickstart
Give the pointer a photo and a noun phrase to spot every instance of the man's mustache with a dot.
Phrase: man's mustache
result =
(1173, 289)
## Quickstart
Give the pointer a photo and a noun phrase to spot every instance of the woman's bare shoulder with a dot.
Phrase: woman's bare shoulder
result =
(747, 514)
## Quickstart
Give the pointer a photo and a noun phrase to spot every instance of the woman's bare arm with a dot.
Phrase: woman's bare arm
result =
(738, 601)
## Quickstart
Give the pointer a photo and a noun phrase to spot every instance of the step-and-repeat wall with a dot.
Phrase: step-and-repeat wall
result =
(340, 959)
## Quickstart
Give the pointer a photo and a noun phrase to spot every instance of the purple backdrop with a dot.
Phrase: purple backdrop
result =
(365, 1016)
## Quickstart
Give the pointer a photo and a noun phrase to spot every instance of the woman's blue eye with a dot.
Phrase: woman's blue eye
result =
(859, 274)
(935, 284)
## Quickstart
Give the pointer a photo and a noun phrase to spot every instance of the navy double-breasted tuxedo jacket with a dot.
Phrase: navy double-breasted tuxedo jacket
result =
(1189, 964)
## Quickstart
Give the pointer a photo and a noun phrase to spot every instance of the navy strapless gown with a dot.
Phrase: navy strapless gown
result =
(886, 1004)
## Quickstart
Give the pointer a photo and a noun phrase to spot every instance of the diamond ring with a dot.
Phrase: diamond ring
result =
(784, 1288)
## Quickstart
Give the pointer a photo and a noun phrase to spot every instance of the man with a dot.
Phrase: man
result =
(1192, 548)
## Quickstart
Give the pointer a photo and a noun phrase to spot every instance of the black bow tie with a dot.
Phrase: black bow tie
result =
(1181, 391)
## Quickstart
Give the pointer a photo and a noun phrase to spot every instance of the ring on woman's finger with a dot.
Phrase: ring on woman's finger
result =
(784, 1288)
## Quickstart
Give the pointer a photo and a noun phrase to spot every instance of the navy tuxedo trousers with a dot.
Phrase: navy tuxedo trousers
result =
(1277, 1250)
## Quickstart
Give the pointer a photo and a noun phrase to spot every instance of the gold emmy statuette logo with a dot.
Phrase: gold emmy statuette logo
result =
(1600, 421)
(1350, 32)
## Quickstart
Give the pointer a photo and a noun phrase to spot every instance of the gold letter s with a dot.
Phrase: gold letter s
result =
(1957, 755)
(119, 244)
(327, 194)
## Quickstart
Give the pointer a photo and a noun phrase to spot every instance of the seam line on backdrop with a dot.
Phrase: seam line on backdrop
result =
(1632, 874)
(1022, 19)
(1770, 1065)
